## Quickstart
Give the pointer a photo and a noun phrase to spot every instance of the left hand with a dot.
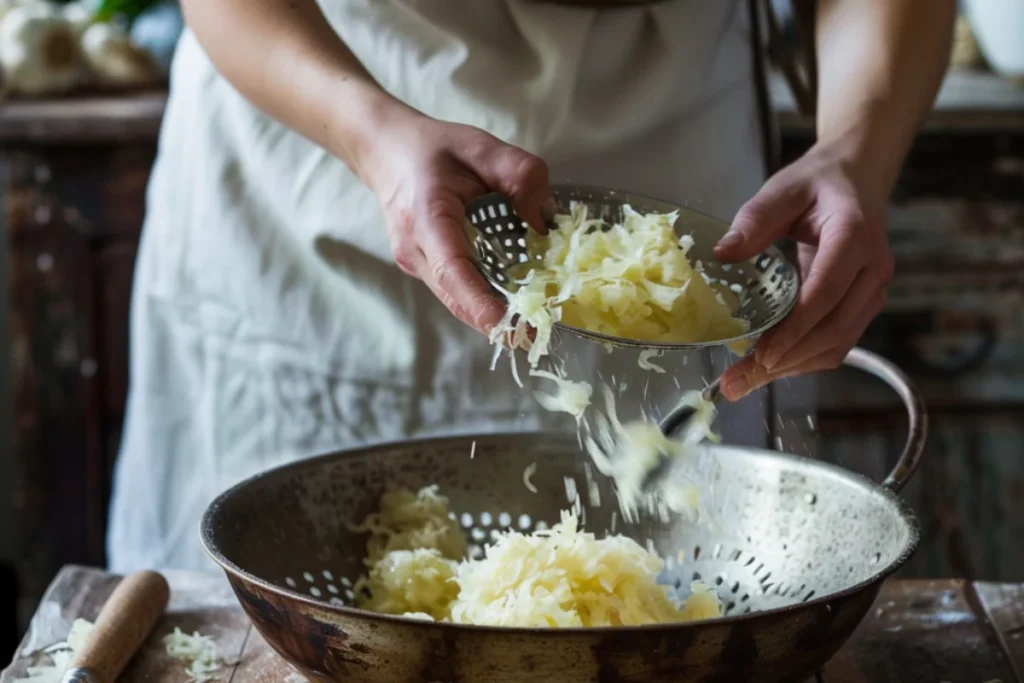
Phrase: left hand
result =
(835, 212)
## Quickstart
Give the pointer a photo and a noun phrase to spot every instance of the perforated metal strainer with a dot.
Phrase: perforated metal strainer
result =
(798, 551)
(767, 284)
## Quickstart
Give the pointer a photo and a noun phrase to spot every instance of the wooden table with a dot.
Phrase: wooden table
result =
(918, 632)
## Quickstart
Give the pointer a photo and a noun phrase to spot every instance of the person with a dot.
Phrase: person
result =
(311, 154)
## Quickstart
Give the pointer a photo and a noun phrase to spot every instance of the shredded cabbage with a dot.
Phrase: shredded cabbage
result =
(630, 279)
(60, 655)
(199, 651)
(412, 521)
(417, 581)
(644, 361)
(627, 452)
(527, 477)
(551, 578)
(566, 577)
(572, 397)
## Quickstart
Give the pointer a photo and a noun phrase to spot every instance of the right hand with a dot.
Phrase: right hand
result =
(423, 172)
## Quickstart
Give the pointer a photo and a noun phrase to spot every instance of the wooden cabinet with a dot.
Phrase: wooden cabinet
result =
(72, 200)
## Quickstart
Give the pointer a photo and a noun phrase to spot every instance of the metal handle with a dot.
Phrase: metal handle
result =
(671, 423)
(917, 434)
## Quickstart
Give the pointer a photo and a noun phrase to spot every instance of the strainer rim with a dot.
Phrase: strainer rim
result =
(905, 512)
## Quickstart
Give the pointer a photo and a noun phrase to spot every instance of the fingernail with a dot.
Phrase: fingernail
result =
(737, 388)
(731, 240)
(770, 360)
(548, 209)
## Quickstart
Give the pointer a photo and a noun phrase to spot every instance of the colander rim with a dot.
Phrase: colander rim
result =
(206, 532)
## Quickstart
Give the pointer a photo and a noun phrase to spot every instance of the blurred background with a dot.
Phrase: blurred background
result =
(78, 129)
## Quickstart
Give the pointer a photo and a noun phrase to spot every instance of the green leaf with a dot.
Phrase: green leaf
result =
(129, 9)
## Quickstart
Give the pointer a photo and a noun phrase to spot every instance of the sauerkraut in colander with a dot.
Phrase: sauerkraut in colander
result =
(631, 279)
(552, 578)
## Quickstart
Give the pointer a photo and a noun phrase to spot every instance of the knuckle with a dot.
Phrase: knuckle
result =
(440, 272)
(850, 231)
(755, 212)
(532, 169)
(527, 176)
(478, 146)
(406, 259)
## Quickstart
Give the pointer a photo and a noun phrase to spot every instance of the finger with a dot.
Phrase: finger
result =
(409, 258)
(521, 176)
(746, 377)
(820, 363)
(844, 324)
(738, 380)
(765, 218)
(450, 272)
(832, 273)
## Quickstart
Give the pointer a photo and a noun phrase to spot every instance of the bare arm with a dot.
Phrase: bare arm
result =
(880, 65)
(284, 57)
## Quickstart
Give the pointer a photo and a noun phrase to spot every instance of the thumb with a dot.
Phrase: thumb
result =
(768, 216)
(521, 176)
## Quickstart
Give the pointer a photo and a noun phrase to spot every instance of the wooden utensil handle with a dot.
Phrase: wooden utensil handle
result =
(124, 623)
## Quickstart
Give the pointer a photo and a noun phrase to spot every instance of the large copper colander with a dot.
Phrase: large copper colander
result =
(798, 551)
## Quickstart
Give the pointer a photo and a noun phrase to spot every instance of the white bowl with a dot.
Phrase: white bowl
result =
(999, 27)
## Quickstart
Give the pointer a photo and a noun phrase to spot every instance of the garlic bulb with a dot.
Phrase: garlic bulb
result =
(39, 50)
(7, 5)
(114, 59)
(79, 15)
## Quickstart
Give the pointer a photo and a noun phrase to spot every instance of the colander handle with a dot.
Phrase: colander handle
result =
(918, 415)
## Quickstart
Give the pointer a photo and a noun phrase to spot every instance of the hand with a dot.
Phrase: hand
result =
(423, 173)
(831, 209)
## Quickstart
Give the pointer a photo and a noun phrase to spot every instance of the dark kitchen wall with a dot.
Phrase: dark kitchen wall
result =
(8, 587)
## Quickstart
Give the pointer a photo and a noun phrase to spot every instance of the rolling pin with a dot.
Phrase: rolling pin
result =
(123, 624)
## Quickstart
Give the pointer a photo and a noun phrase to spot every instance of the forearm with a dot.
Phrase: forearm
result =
(285, 58)
(881, 63)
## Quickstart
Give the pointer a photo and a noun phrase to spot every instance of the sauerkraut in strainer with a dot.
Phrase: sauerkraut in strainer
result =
(625, 270)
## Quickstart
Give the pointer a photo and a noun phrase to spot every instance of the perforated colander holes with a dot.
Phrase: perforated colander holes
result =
(324, 586)
(481, 529)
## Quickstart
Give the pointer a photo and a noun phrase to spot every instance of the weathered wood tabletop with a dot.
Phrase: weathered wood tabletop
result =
(917, 632)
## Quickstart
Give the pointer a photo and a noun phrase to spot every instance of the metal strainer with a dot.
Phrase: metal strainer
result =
(798, 552)
(767, 284)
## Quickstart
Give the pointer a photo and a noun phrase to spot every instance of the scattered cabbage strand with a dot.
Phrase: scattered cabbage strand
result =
(528, 477)
(644, 361)
(60, 655)
(632, 279)
(550, 578)
(199, 651)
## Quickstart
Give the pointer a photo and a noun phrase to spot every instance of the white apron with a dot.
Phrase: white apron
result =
(269, 321)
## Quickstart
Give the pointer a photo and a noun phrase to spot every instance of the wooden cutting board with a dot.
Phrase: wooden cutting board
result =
(917, 632)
